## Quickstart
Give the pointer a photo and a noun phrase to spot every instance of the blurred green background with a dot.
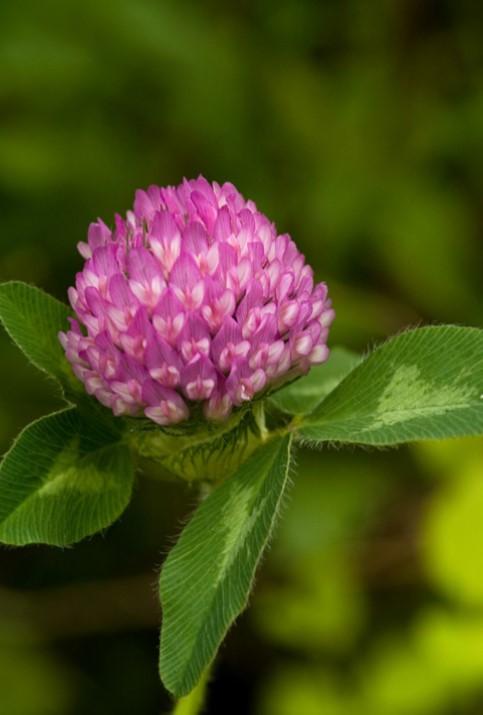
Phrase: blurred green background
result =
(357, 127)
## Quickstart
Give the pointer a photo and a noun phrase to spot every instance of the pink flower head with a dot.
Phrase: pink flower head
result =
(192, 298)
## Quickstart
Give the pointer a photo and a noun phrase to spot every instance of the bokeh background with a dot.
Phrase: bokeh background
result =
(358, 127)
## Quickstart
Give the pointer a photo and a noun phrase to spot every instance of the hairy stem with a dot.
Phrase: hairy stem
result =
(193, 703)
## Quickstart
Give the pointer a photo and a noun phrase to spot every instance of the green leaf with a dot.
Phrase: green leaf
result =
(303, 395)
(424, 384)
(207, 577)
(33, 319)
(62, 480)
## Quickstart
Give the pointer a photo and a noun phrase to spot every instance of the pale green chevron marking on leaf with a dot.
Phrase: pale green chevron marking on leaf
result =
(207, 577)
(62, 480)
(405, 387)
(33, 319)
(304, 394)
(239, 516)
(69, 472)
(424, 384)
(408, 390)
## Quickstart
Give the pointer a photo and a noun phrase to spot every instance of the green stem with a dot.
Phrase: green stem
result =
(192, 704)
(259, 415)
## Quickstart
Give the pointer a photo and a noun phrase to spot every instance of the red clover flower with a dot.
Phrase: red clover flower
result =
(192, 298)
